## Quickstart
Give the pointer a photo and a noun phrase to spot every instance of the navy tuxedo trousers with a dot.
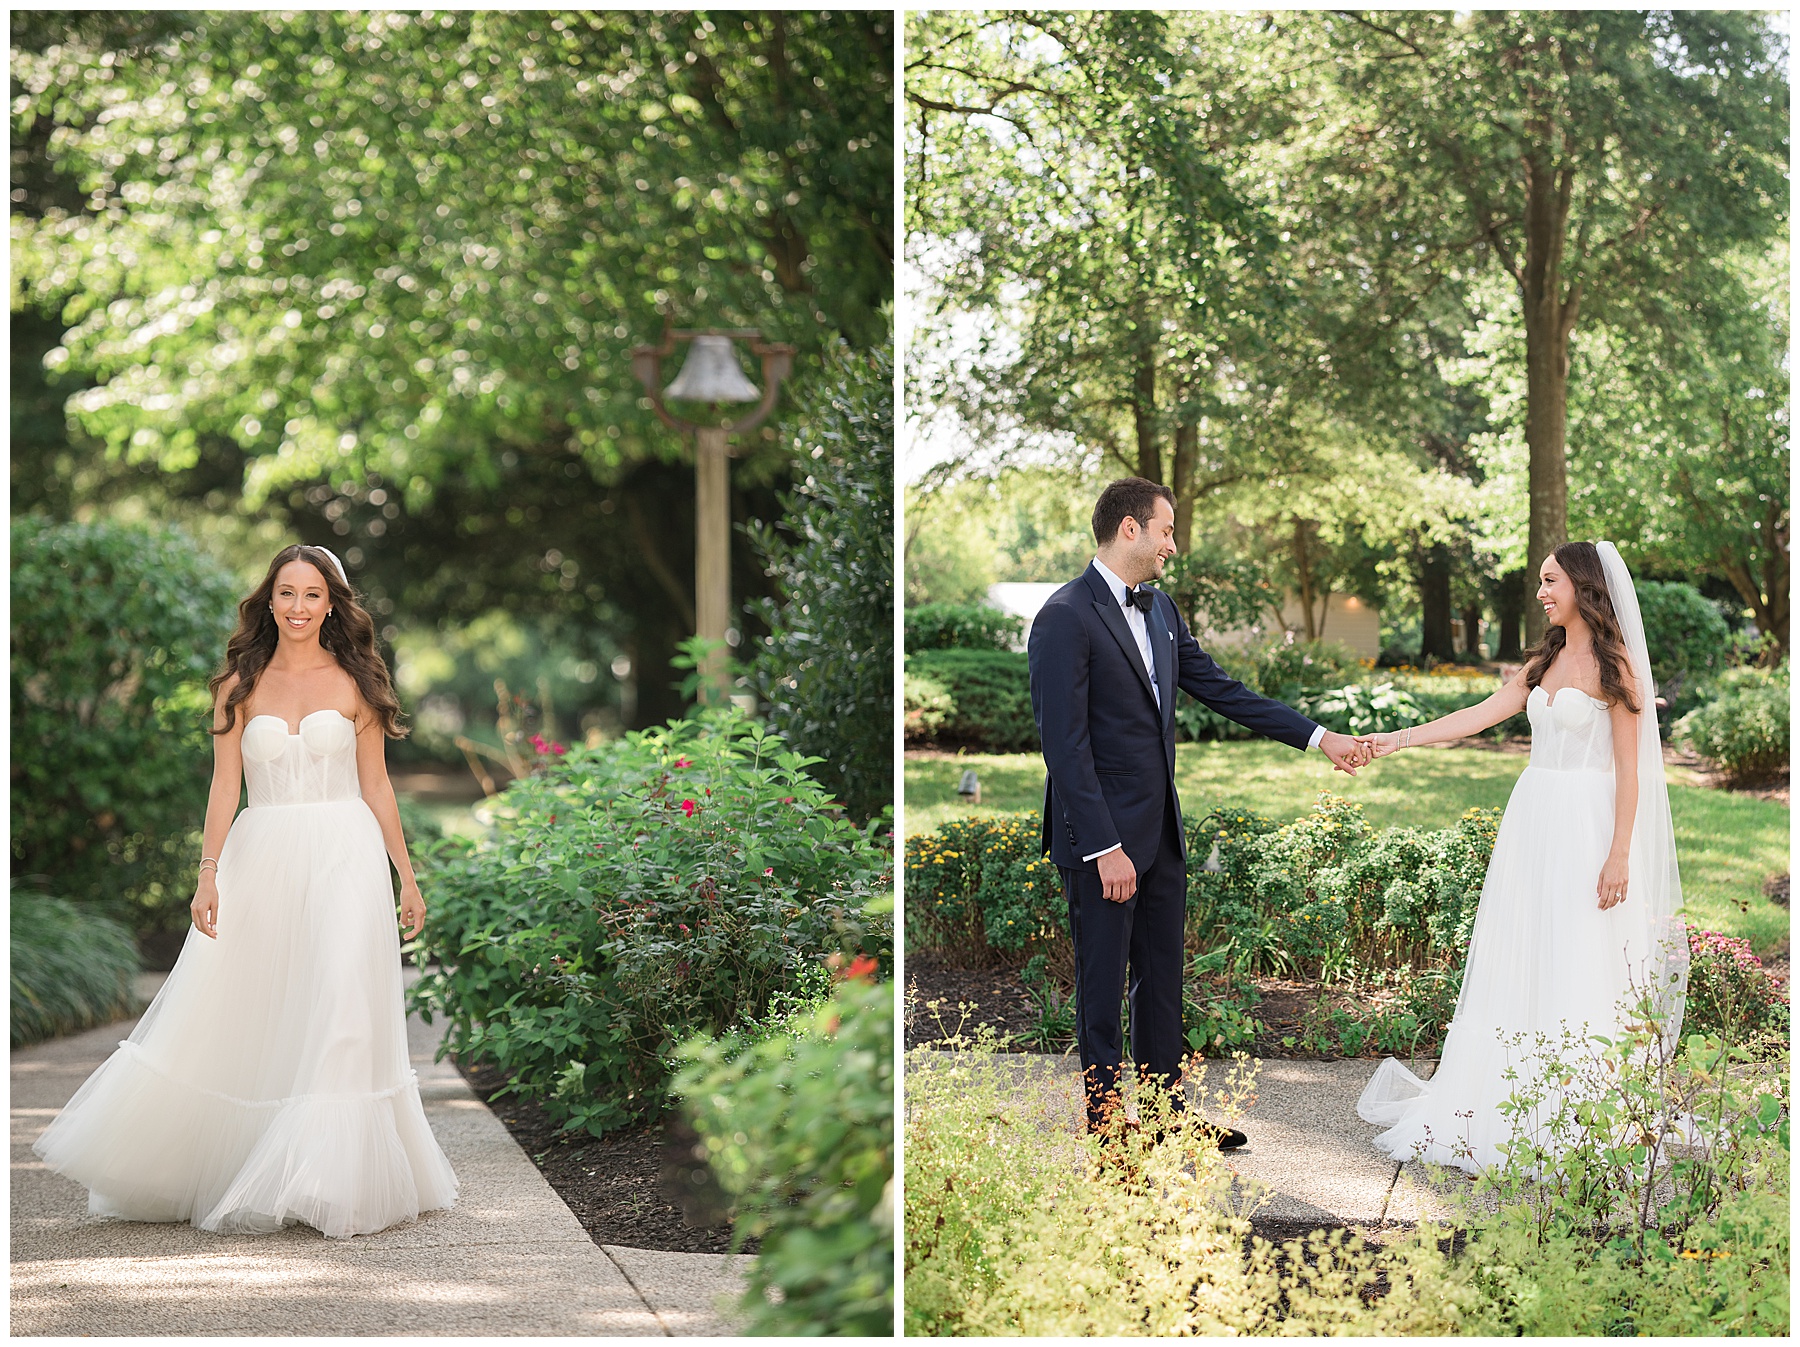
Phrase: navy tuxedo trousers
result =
(1140, 938)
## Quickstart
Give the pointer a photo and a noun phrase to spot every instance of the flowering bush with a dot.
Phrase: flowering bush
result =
(671, 883)
(981, 889)
(1731, 994)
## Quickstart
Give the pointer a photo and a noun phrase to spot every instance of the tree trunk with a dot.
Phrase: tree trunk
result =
(1303, 569)
(1143, 405)
(1472, 629)
(1549, 318)
(1434, 604)
(1509, 608)
(1766, 596)
(1187, 450)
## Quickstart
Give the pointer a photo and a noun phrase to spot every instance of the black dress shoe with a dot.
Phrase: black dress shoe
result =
(1227, 1138)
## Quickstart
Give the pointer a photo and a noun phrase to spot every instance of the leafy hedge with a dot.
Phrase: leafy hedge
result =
(72, 969)
(989, 695)
(800, 1130)
(667, 884)
(826, 668)
(961, 626)
(115, 629)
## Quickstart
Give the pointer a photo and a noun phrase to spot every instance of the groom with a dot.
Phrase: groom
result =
(1106, 657)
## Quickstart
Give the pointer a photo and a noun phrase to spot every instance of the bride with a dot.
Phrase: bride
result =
(1578, 912)
(268, 1082)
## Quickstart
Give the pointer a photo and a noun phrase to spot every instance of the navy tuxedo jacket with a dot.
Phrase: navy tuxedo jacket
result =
(1109, 749)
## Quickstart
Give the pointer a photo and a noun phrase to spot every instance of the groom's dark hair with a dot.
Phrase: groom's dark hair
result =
(1133, 496)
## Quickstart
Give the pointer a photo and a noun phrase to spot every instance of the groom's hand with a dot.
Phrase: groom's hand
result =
(1118, 876)
(1346, 754)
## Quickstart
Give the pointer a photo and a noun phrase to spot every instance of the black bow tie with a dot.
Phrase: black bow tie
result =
(1140, 598)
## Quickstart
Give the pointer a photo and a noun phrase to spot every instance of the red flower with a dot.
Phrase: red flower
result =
(862, 966)
(688, 807)
(683, 762)
(768, 872)
(545, 748)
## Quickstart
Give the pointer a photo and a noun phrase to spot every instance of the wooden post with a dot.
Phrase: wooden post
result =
(712, 556)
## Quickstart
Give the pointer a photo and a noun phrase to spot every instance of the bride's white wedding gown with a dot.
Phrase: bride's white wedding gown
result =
(1543, 958)
(269, 1080)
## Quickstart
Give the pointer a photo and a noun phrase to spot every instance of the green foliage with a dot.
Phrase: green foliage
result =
(981, 887)
(1686, 633)
(1730, 994)
(114, 632)
(990, 697)
(961, 626)
(799, 1130)
(1326, 894)
(72, 969)
(929, 707)
(1219, 588)
(1602, 1228)
(674, 882)
(1356, 709)
(1744, 730)
(826, 668)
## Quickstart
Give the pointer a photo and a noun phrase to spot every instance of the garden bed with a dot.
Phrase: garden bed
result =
(617, 1186)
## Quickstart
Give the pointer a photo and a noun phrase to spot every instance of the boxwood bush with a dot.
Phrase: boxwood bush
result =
(633, 895)
(72, 968)
(115, 629)
(990, 697)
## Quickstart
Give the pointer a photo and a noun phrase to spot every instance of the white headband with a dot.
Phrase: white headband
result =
(334, 561)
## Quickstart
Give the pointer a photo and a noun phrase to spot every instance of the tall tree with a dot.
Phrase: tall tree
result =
(1592, 155)
(354, 267)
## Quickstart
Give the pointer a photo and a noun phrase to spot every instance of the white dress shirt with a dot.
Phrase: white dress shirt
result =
(1137, 620)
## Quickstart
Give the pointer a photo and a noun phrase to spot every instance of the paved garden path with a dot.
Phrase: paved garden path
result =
(510, 1258)
(1309, 1154)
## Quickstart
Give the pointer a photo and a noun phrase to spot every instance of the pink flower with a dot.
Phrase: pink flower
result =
(767, 873)
(546, 748)
(688, 807)
(683, 762)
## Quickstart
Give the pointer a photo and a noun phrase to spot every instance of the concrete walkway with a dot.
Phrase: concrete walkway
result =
(509, 1259)
(1309, 1157)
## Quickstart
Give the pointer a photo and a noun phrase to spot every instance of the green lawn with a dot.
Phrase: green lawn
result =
(1728, 844)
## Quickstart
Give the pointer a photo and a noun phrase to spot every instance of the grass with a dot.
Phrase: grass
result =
(1728, 844)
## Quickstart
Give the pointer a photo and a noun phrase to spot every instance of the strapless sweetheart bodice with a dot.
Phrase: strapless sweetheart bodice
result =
(1573, 733)
(315, 766)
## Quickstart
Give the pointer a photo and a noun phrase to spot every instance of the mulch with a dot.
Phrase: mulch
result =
(641, 1188)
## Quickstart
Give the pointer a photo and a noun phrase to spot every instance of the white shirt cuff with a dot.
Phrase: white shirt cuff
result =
(1317, 734)
(1098, 854)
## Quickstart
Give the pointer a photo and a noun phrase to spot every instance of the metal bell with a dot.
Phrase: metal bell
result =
(712, 374)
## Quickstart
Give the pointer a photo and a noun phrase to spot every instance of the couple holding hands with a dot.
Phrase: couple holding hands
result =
(1578, 908)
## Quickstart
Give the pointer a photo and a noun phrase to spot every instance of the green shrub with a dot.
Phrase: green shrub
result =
(671, 883)
(1611, 1231)
(826, 669)
(1285, 668)
(1731, 995)
(1687, 634)
(1356, 709)
(929, 707)
(800, 1130)
(115, 629)
(961, 626)
(980, 888)
(990, 694)
(1744, 730)
(72, 968)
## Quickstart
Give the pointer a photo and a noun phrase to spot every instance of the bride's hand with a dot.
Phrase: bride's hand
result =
(1384, 744)
(412, 910)
(1614, 876)
(205, 907)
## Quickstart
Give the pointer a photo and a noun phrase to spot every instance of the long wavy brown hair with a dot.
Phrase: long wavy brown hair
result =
(1581, 563)
(348, 634)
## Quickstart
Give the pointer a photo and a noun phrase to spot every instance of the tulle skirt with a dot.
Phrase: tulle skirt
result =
(269, 1081)
(1546, 969)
